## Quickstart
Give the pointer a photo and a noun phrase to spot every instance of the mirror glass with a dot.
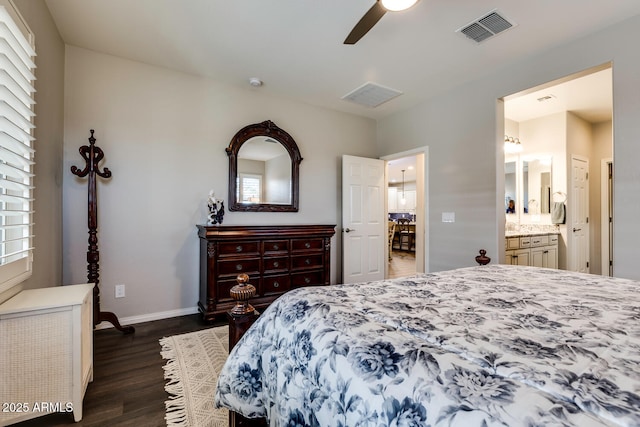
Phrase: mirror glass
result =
(264, 163)
(536, 185)
(264, 172)
(510, 195)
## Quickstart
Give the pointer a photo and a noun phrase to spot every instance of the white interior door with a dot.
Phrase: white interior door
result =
(363, 219)
(579, 207)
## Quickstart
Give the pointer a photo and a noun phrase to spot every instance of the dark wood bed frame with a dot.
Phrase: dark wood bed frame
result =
(242, 316)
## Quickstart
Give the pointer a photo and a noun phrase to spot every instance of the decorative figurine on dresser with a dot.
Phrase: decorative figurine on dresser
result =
(216, 209)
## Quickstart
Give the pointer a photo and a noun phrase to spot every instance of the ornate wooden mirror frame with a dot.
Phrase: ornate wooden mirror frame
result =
(265, 129)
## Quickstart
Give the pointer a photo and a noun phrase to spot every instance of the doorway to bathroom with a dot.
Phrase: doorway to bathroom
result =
(563, 124)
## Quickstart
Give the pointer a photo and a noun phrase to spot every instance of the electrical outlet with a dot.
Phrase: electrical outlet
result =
(119, 291)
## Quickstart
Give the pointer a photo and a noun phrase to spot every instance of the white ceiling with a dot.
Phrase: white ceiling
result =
(589, 96)
(295, 46)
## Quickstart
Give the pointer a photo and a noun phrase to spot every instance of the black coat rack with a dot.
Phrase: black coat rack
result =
(93, 155)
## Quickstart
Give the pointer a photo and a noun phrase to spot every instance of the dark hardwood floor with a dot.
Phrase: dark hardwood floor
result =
(128, 379)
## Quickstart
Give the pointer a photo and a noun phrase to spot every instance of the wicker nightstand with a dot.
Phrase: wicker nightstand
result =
(46, 352)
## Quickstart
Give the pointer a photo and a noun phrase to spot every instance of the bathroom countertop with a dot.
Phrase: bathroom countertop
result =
(525, 233)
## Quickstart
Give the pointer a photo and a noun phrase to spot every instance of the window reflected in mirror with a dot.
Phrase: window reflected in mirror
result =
(264, 172)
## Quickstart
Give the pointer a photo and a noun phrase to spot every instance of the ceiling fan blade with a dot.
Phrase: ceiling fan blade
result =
(367, 22)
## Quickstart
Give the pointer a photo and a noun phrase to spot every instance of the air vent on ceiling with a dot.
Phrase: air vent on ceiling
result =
(371, 95)
(488, 26)
(546, 98)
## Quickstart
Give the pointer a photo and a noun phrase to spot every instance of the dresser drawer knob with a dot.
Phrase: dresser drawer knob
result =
(276, 284)
(239, 248)
(307, 245)
(276, 247)
(239, 267)
(307, 261)
(307, 280)
(276, 264)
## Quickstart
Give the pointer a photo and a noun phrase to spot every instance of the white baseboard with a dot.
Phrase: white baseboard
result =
(132, 320)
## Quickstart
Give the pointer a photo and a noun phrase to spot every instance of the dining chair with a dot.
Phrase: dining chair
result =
(406, 233)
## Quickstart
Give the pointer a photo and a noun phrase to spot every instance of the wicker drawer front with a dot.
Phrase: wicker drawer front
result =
(299, 262)
(273, 265)
(239, 248)
(275, 284)
(306, 244)
(271, 246)
(250, 266)
(307, 278)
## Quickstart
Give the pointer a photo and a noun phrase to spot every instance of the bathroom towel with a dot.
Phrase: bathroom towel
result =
(557, 213)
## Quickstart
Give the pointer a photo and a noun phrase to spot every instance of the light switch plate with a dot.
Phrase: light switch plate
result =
(448, 217)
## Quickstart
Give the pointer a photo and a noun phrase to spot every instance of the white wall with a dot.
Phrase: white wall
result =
(164, 135)
(601, 149)
(464, 131)
(278, 179)
(460, 130)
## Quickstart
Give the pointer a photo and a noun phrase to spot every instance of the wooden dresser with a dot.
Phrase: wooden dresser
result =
(276, 258)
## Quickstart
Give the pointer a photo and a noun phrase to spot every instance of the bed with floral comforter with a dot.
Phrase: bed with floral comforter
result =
(482, 346)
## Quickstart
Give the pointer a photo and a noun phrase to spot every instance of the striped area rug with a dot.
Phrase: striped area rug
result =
(194, 361)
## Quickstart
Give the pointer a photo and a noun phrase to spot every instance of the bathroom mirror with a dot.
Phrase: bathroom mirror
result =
(510, 187)
(536, 185)
(264, 163)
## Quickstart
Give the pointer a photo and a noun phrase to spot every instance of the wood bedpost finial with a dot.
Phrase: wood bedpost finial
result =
(241, 293)
(483, 259)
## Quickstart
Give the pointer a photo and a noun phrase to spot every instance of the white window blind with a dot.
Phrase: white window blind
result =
(16, 146)
(250, 188)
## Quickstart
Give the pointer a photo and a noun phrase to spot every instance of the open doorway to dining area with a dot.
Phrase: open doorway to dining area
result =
(402, 216)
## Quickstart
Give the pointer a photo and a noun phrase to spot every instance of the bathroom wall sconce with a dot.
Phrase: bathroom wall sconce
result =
(512, 145)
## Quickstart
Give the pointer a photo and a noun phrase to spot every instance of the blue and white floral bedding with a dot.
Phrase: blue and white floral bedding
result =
(483, 346)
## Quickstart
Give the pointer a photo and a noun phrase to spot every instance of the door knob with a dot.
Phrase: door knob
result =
(576, 229)
(347, 230)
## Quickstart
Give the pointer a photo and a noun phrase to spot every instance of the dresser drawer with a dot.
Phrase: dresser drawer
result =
(300, 262)
(275, 284)
(250, 266)
(223, 288)
(306, 244)
(308, 278)
(273, 265)
(512, 243)
(525, 242)
(238, 248)
(275, 246)
(539, 241)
